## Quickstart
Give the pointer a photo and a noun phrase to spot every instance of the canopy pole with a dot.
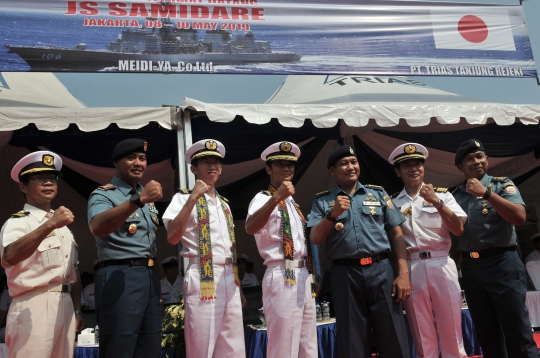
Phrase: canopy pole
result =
(185, 177)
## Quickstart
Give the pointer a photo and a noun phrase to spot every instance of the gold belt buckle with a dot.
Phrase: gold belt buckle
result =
(150, 262)
(366, 261)
(474, 254)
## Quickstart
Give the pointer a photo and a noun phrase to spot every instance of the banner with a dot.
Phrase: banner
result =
(346, 37)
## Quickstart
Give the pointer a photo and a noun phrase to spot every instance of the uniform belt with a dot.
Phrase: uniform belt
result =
(148, 262)
(281, 263)
(363, 261)
(216, 260)
(53, 287)
(424, 255)
(480, 254)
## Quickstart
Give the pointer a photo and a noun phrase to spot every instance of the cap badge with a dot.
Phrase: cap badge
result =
(145, 146)
(351, 150)
(48, 160)
(477, 144)
(285, 147)
(409, 149)
(211, 145)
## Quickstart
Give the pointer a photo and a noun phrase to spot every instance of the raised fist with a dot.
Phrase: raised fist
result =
(342, 204)
(285, 190)
(428, 194)
(475, 188)
(200, 189)
(61, 217)
(152, 192)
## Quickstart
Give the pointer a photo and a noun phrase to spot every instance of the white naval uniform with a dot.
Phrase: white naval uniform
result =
(169, 293)
(533, 256)
(87, 296)
(41, 320)
(434, 308)
(214, 328)
(289, 309)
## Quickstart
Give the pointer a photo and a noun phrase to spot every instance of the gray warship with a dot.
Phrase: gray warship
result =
(151, 47)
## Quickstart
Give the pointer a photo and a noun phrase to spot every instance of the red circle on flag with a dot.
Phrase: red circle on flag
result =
(472, 28)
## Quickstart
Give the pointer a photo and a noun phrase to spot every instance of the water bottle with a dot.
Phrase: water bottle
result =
(319, 313)
(325, 311)
(96, 334)
(262, 317)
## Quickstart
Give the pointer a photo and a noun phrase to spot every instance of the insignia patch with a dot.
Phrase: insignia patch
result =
(184, 191)
(407, 211)
(409, 149)
(20, 214)
(477, 144)
(155, 219)
(441, 190)
(107, 187)
(331, 204)
(322, 193)
(153, 208)
(48, 160)
(511, 190)
(499, 178)
(390, 204)
(145, 146)
(211, 145)
(285, 147)
(351, 150)
(372, 210)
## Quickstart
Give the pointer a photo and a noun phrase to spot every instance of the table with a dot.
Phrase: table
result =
(532, 301)
(256, 340)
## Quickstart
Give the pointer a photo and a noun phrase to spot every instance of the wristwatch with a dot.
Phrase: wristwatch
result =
(330, 217)
(440, 204)
(136, 199)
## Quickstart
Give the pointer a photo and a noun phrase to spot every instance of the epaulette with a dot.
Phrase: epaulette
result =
(378, 187)
(107, 187)
(266, 192)
(20, 214)
(508, 184)
(224, 198)
(440, 190)
(322, 193)
(386, 197)
(393, 196)
(184, 191)
(499, 178)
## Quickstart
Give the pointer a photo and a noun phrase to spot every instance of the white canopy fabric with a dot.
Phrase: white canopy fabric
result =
(359, 101)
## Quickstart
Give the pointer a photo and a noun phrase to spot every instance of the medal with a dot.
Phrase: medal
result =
(372, 210)
(132, 229)
(485, 211)
(155, 219)
(339, 226)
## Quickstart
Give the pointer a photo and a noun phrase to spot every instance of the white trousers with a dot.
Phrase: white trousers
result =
(434, 308)
(290, 315)
(213, 328)
(41, 324)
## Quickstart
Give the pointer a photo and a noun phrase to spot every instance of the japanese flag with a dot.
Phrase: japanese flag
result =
(472, 28)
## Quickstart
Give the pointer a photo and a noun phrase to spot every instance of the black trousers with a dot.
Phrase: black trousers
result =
(362, 300)
(128, 312)
(495, 289)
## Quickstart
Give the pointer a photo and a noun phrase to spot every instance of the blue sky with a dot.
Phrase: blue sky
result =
(128, 90)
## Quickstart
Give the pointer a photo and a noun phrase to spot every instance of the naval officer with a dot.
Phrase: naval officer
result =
(123, 218)
(494, 276)
(39, 255)
(434, 309)
(280, 232)
(360, 226)
(202, 221)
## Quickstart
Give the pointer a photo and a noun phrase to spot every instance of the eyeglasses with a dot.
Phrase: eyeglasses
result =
(42, 179)
(208, 164)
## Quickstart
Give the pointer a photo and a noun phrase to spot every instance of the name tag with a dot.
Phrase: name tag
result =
(372, 203)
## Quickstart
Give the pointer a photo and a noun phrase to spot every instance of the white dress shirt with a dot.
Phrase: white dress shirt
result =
(169, 293)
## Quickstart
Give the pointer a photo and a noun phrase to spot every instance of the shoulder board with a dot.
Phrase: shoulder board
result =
(386, 197)
(184, 191)
(266, 192)
(440, 190)
(20, 214)
(224, 198)
(378, 187)
(107, 187)
(394, 195)
(508, 184)
(499, 178)
(322, 193)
